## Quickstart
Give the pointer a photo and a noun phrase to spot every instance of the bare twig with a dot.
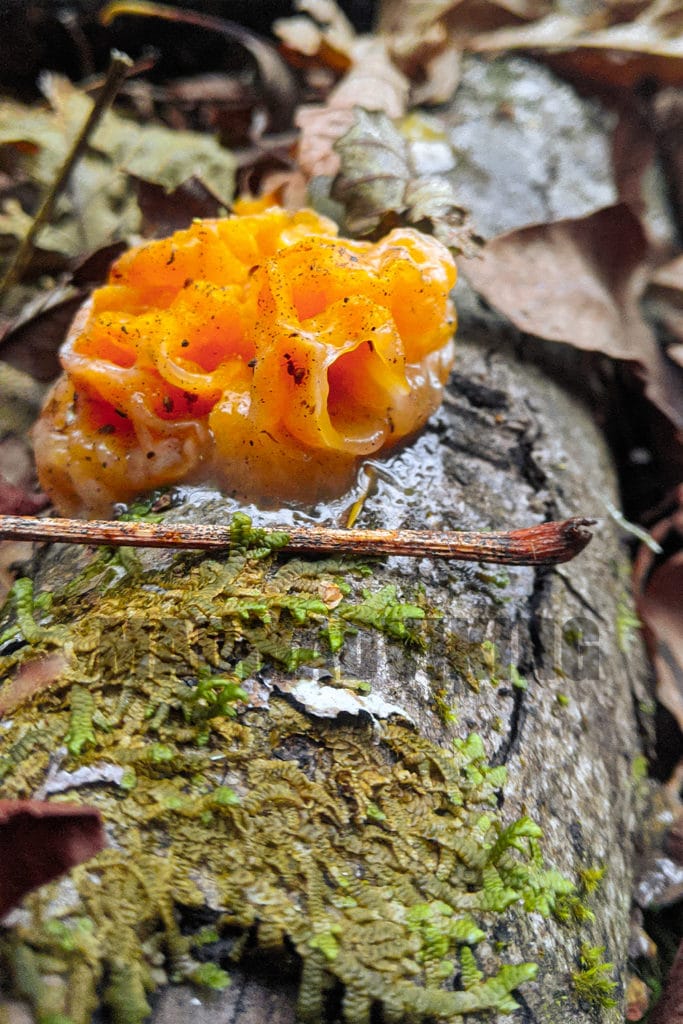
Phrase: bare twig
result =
(118, 68)
(546, 544)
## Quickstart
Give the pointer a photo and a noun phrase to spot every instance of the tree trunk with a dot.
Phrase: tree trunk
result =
(529, 659)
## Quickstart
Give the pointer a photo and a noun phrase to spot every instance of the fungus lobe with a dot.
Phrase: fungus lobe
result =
(259, 351)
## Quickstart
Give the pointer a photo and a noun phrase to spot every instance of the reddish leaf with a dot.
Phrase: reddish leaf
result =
(579, 282)
(658, 587)
(669, 1009)
(40, 841)
(17, 501)
(31, 677)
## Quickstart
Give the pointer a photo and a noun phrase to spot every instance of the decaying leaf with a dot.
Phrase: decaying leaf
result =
(669, 1010)
(619, 51)
(159, 155)
(427, 40)
(39, 841)
(658, 585)
(378, 177)
(665, 303)
(579, 282)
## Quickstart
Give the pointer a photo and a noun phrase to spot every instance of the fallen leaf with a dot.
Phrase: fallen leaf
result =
(31, 341)
(40, 841)
(669, 1009)
(322, 33)
(667, 110)
(669, 279)
(321, 127)
(378, 177)
(427, 40)
(579, 282)
(665, 306)
(100, 205)
(31, 677)
(159, 155)
(373, 82)
(658, 585)
(647, 45)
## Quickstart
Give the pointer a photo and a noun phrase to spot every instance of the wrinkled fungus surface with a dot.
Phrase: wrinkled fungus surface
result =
(259, 350)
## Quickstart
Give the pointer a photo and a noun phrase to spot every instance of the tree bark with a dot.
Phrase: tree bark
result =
(508, 448)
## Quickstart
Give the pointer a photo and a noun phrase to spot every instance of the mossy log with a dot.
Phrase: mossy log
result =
(356, 791)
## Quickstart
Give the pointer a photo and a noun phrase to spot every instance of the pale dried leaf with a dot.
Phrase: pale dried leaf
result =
(441, 76)
(322, 24)
(373, 82)
(378, 177)
(656, 33)
(300, 34)
(669, 278)
(320, 128)
(433, 200)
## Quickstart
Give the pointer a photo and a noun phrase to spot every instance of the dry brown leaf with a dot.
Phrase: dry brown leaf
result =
(427, 40)
(658, 586)
(669, 1009)
(623, 53)
(665, 303)
(31, 677)
(40, 841)
(668, 279)
(579, 282)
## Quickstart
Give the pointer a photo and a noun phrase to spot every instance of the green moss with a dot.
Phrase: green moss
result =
(377, 856)
(590, 982)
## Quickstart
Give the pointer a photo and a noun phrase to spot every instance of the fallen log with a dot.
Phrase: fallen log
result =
(352, 788)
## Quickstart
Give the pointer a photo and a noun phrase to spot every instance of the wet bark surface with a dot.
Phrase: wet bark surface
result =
(508, 448)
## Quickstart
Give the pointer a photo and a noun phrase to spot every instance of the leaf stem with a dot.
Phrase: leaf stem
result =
(545, 544)
(119, 66)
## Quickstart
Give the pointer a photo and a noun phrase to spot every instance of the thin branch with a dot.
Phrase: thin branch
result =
(546, 544)
(119, 66)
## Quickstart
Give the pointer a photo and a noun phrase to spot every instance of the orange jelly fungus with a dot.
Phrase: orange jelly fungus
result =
(259, 351)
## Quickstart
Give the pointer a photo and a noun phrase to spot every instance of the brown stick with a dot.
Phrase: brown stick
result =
(546, 544)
